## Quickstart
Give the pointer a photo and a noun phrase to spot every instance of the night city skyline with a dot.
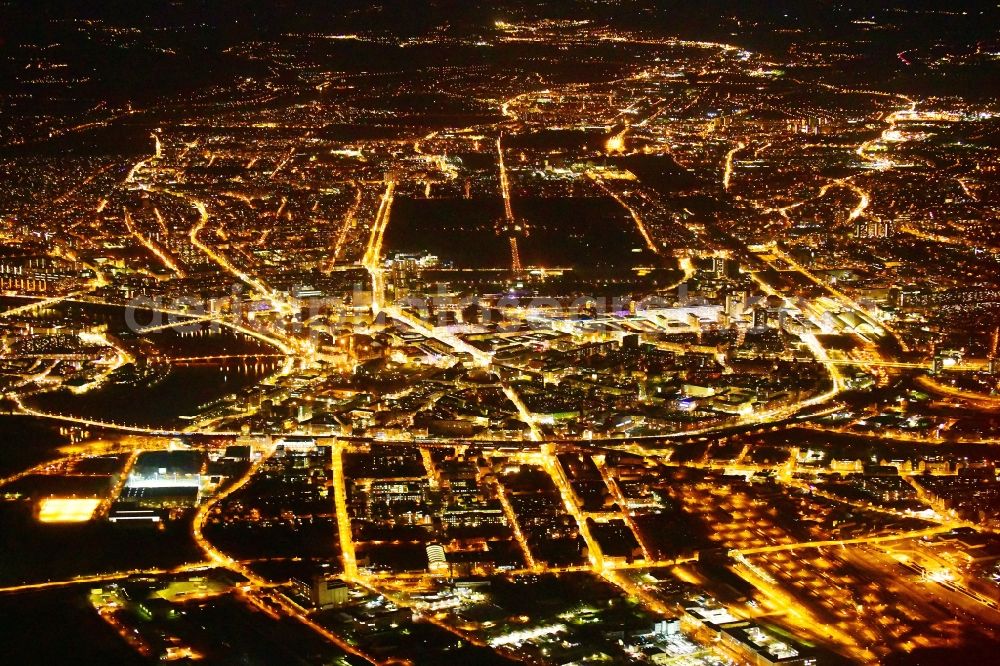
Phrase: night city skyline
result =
(440, 332)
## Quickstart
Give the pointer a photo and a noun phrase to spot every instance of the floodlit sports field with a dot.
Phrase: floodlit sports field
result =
(66, 510)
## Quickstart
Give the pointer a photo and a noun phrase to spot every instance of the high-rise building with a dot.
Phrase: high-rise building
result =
(938, 364)
(873, 228)
(436, 560)
(328, 592)
(761, 317)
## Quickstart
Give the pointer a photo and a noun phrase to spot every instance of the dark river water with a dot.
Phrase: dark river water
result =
(169, 392)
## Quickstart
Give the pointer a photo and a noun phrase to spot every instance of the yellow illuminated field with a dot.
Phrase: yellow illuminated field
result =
(66, 510)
